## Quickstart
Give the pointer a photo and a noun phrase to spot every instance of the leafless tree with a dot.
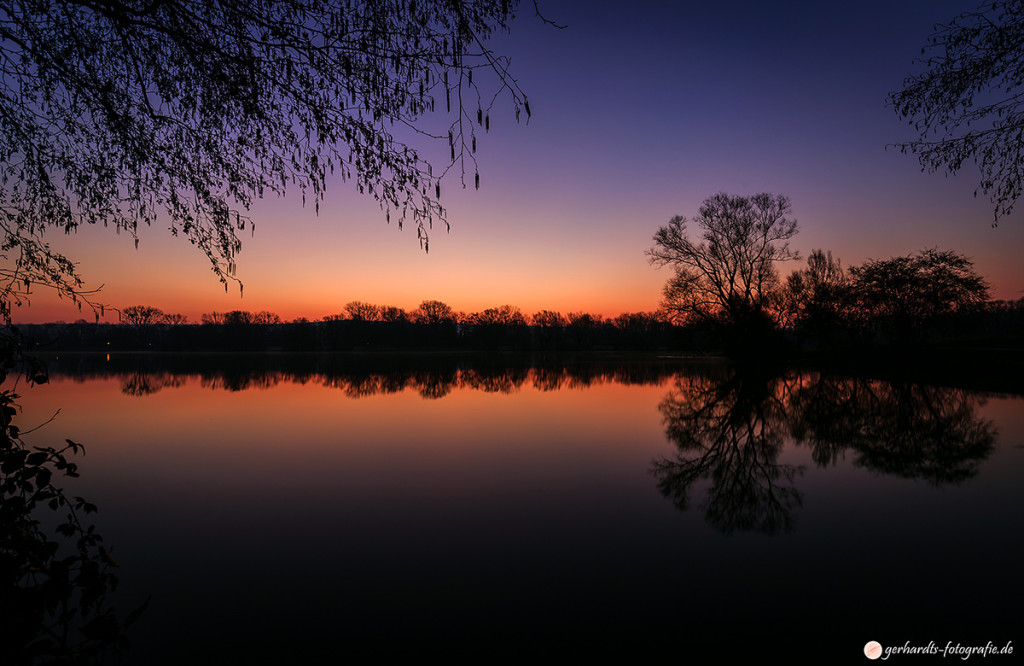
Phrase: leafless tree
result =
(727, 274)
(175, 318)
(360, 311)
(141, 315)
(433, 312)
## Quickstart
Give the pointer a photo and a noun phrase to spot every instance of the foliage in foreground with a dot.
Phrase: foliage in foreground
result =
(56, 576)
(966, 105)
(182, 114)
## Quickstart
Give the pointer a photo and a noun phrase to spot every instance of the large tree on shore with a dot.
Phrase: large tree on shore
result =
(726, 276)
(183, 113)
(903, 298)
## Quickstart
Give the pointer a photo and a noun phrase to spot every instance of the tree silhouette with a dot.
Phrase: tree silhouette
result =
(240, 318)
(434, 313)
(815, 297)
(968, 104)
(549, 319)
(212, 318)
(183, 113)
(903, 297)
(503, 315)
(361, 311)
(393, 314)
(265, 317)
(727, 277)
(141, 315)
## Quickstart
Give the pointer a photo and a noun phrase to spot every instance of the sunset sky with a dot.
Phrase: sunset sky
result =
(641, 110)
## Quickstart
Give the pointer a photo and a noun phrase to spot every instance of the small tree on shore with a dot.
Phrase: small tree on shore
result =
(175, 318)
(142, 315)
(393, 314)
(360, 311)
(434, 313)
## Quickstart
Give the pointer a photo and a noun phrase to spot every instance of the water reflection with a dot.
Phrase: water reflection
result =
(140, 384)
(488, 500)
(729, 426)
(909, 430)
(364, 376)
(730, 430)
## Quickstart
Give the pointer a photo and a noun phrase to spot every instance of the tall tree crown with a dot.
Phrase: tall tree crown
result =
(728, 272)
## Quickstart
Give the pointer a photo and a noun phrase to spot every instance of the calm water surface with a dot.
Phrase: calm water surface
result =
(282, 515)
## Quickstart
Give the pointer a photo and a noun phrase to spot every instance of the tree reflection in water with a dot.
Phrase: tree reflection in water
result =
(140, 384)
(729, 424)
(729, 427)
(358, 377)
(729, 430)
(909, 430)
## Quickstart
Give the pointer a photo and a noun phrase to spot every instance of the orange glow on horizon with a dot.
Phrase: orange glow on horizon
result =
(569, 201)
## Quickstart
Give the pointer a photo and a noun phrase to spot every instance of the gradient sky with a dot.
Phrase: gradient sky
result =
(641, 110)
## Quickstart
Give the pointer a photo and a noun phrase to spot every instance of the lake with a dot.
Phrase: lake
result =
(297, 509)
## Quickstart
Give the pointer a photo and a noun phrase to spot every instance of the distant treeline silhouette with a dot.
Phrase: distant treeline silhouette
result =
(927, 299)
(433, 325)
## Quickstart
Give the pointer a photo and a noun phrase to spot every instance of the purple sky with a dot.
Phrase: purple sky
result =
(640, 111)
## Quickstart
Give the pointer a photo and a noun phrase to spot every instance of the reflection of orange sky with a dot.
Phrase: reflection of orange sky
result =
(312, 433)
(307, 426)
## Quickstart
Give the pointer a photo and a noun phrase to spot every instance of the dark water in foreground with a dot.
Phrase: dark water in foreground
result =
(280, 514)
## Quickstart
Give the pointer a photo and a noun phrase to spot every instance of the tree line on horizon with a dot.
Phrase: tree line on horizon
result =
(433, 324)
(428, 312)
(726, 295)
(899, 302)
